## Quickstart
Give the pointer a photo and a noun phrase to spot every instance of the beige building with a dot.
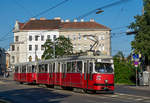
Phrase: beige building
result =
(31, 35)
(83, 35)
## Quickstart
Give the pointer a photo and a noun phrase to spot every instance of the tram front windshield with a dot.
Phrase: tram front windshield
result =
(103, 67)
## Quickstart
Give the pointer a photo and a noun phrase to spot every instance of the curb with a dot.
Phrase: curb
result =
(141, 88)
(4, 101)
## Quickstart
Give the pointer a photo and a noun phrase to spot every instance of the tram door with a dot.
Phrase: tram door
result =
(58, 74)
(88, 68)
(51, 75)
(63, 74)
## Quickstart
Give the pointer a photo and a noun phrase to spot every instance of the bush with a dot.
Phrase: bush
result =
(124, 72)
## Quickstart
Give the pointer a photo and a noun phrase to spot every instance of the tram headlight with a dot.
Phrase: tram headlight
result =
(106, 81)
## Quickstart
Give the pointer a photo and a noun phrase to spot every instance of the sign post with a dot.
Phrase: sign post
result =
(136, 65)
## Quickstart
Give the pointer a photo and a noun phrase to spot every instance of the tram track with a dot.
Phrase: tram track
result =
(116, 96)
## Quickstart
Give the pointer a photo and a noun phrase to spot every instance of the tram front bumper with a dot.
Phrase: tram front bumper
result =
(104, 87)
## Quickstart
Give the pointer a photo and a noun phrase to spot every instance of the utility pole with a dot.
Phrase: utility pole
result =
(36, 50)
(54, 49)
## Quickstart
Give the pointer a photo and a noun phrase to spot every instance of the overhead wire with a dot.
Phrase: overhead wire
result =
(101, 8)
(23, 7)
(40, 13)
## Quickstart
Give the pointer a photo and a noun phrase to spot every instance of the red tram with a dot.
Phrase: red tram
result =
(94, 73)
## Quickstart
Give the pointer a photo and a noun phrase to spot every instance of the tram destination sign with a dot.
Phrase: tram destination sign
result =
(104, 60)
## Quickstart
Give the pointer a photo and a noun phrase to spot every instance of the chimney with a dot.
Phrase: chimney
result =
(75, 20)
(57, 18)
(42, 18)
(82, 20)
(67, 20)
(32, 18)
(91, 20)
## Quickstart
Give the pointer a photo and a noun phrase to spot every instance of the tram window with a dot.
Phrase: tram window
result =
(62, 65)
(33, 69)
(46, 68)
(74, 66)
(16, 69)
(85, 67)
(109, 68)
(69, 67)
(29, 69)
(24, 69)
(91, 67)
(79, 66)
(41, 68)
(58, 68)
(53, 67)
(50, 68)
(103, 68)
(65, 68)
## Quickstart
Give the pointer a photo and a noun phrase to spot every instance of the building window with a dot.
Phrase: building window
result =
(42, 38)
(17, 59)
(36, 38)
(30, 47)
(13, 59)
(42, 47)
(13, 47)
(36, 47)
(102, 48)
(54, 37)
(85, 38)
(16, 38)
(17, 48)
(48, 37)
(79, 37)
(74, 37)
(30, 38)
(101, 37)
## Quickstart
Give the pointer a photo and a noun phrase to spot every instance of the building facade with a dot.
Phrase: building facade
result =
(84, 34)
(2, 61)
(29, 37)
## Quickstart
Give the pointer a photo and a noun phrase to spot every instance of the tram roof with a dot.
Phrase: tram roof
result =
(67, 58)
(77, 58)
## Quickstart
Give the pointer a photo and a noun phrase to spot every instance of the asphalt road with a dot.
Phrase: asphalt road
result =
(13, 92)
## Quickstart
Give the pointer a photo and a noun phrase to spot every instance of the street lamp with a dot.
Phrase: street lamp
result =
(99, 11)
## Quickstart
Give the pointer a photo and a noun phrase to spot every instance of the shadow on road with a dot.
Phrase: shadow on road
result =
(32, 95)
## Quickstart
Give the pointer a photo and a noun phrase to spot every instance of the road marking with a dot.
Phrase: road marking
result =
(139, 99)
(1, 82)
(147, 101)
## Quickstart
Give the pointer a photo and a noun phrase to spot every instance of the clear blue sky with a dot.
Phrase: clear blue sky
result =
(120, 15)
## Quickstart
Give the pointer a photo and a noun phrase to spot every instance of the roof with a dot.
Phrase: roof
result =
(40, 25)
(82, 25)
(57, 24)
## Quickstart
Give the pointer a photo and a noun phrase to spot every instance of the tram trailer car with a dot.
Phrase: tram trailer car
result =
(95, 73)
(25, 72)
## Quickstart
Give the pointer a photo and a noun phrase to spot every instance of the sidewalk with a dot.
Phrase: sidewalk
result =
(4, 78)
(140, 87)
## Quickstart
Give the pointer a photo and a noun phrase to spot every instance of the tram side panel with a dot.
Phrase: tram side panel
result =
(103, 82)
(42, 75)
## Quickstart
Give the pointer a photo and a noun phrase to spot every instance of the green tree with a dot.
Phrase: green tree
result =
(119, 55)
(141, 25)
(63, 46)
(124, 70)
